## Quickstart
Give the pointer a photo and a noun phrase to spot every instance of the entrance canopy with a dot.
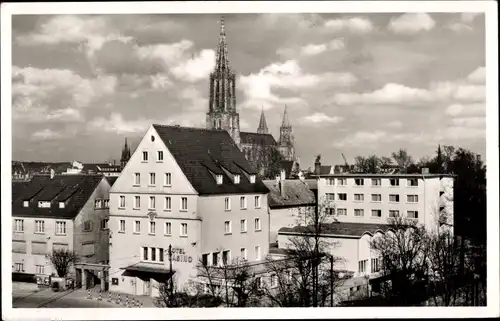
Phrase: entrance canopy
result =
(147, 270)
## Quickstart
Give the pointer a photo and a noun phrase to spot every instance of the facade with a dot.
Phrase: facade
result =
(373, 198)
(191, 189)
(222, 115)
(61, 211)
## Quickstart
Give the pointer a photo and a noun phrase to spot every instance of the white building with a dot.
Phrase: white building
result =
(189, 188)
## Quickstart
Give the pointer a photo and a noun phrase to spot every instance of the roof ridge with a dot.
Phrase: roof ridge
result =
(190, 127)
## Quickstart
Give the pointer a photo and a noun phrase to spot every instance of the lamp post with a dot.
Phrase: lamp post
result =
(171, 285)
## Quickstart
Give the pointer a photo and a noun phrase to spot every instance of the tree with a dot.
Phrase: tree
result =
(402, 159)
(266, 159)
(371, 164)
(62, 259)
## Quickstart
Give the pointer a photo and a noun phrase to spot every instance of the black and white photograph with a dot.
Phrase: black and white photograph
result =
(328, 155)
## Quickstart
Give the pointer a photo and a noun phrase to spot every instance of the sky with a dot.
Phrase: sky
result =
(356, 84)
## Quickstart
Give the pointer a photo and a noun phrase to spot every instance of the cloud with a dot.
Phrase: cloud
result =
(411, 23)
(361, 138)
(459, 27)
(45, 134)
(478, 76)
(321, 118)
(468, 17)
(466, 110)
(469, 121)
(354, 24)
(116, 124)
(197, 68)
(380, 137)
(395, 124)
(315, 49)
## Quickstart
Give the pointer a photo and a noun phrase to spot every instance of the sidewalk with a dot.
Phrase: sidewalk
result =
(119, 299)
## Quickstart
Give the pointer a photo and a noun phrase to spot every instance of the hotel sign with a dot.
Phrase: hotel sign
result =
(179, 255)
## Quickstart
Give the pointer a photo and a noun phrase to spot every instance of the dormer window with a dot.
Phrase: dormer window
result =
(218, 178)
(252, 179)
(26, 203)
(61, 204)
(236, 179)
(44, 204)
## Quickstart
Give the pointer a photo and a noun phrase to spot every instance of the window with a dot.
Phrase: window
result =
(43, 204)
(330, 211)
(252, 179)
(227, 204)
(26, 203)
(394, 198)
(257, 201)
(60, 227)
(226, 257)
(236, 179)
(227, 227)
(106, 203)
(376, 198)
(152, 138)
(412, 214)
(330, 181)
(184, 229)
(104, 224)
(258, 281)
(257, 224)
(137, 202)
(168, 203)
(40, 269)
(153, 254)
(204, 259)
(122, 201)
(243, 202)
(168, 179)
(359, 212)
(376, 213)
(137, 227)
(330, 196)
(375, 265)
(19, 225)
(152, 179)
(61, 204)
(19, 267)
(218, 179)
(359, 197)
(152, 202)
(341, 211)
(243, 226)
(342, 196)
(215, 259)
(160, 255)
(184, 204)
(97, 204)
(274, 281)
(144, 156)
(393, 213)
(257, 253)
(412, 198)
(160, 156)
(137, 180)
(122, 226)
(243, 253)
(87, 226)
(412, 182)
(168, 228)
(341, 181)
(362, 266)
(359, 182)
(394, 181)
(39, 226)
(145, 253)
(376, 182)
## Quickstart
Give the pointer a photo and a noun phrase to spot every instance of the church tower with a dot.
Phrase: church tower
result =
(125, 155)
(262, 124)
(222, 113)
(286, 142)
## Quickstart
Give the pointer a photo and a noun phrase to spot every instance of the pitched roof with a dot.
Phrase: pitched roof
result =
(296, 193)
(259, 139)
(339, 228)
(111, 179)
(74, 190)
(203, 153)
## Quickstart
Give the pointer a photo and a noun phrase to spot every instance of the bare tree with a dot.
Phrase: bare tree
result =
(62, 259)
(402, 159)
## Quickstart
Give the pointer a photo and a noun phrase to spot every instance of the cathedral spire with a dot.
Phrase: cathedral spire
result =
(222, 60)
(285, 122)
(262, 124)
(125, 154)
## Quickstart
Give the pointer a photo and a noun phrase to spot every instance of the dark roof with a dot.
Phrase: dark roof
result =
(202, 153)
(325, 169)
(296, 193)
(312, 183)
(75, 190)
(258, 139)
(111, 179)
(385, 175)
(339, 228)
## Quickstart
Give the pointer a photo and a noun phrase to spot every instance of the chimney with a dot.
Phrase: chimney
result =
(317, 165)
(282, 188)
(52, 173)
(282, 174)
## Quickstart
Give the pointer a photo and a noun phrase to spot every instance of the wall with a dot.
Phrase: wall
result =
(286, 217)
(30, 260)
(213, 216)
(97, 236)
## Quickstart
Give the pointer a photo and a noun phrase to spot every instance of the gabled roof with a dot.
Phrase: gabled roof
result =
(339, 228)
(296, 193)
(75, 190)
(259, 139)
(201, 154)
(111, 179)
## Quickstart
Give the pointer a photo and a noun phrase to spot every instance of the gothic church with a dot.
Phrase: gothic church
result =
(260, 148)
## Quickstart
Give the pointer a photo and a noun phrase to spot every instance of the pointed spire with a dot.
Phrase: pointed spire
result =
(285, 122)
(222, 60)
(262, 124)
